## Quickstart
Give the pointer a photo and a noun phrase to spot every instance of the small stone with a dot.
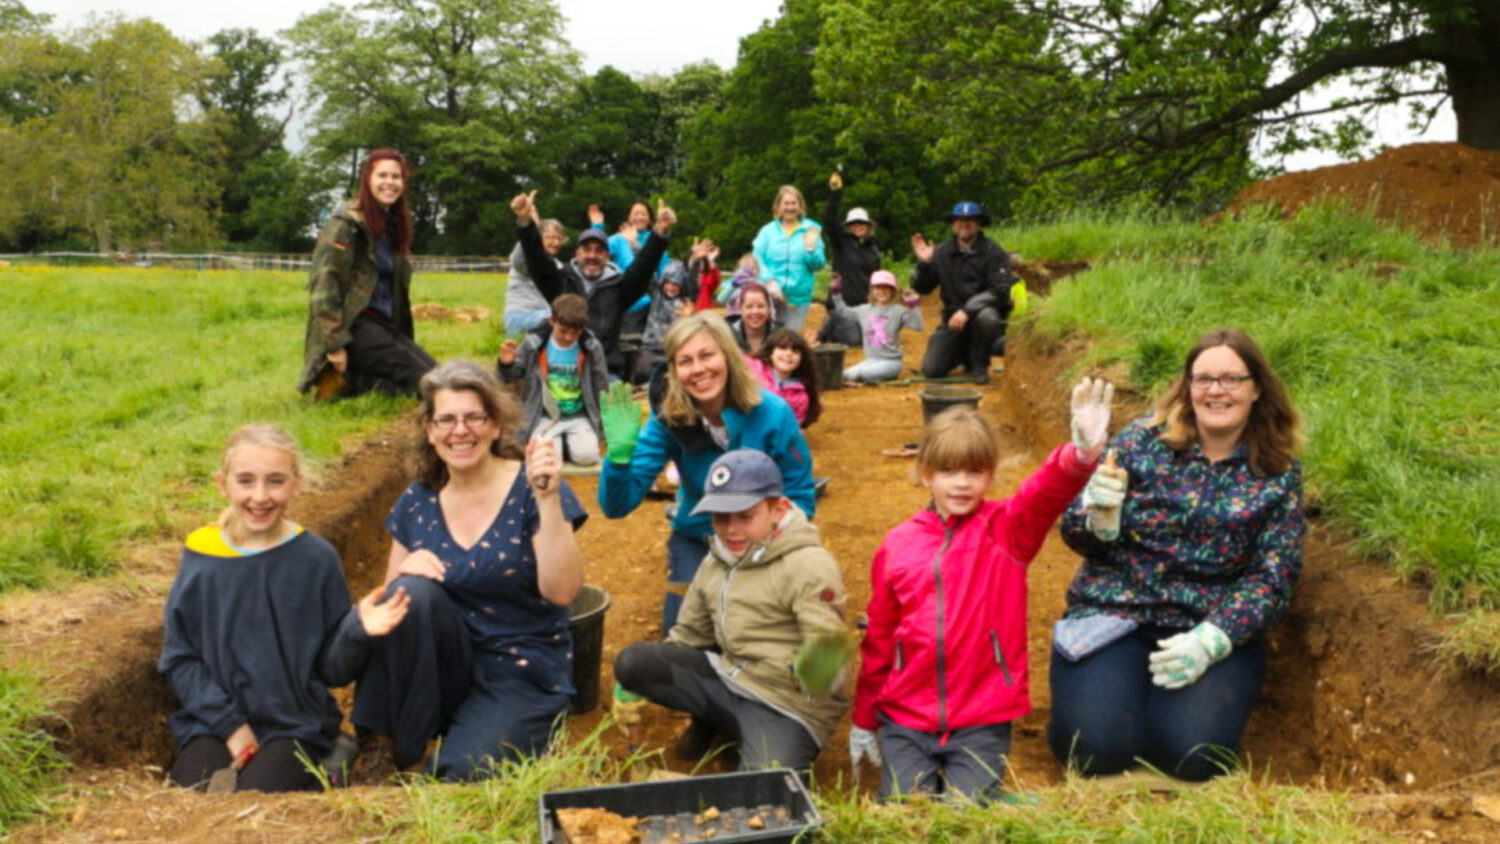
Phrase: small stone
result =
(1410, 778)
(118, 833)
(1488, 807)
(756, 822)
(711, 813)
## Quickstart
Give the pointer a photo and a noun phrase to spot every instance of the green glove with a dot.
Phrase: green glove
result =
(622, 421)
(820, 661)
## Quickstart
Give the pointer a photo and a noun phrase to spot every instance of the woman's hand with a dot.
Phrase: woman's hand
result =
(596, 217)
(379, 618)
(666, 218)
(1091, 410)
(1105, 498)
(543, 467)
(1182, 659)
(340, 360)
(507, 355)
(811, 237)
(921, 248)
(423, 563)
(621, 415)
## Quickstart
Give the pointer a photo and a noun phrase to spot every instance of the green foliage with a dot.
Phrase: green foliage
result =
(1389, 348)
(120, 387)
(29, 764)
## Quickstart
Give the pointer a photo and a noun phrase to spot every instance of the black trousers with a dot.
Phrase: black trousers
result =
(276, 766)
(382, 358)
(969, 348)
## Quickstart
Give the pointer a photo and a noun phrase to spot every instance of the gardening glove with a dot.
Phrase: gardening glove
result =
(911, 298)
(1019, 301)
(1183, 658)
(862, 744)
(835, 285)
(1105, 498)
(1091, 400)
(626, 708)
(621, 415)
(821, 660)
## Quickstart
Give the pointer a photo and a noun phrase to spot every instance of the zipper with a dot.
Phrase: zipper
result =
(942, 679)
(724, 601)
(1000, 658)
(900, 657)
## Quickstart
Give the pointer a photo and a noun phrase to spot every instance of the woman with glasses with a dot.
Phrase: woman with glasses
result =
(360, 335)
(484, 545)
(1191, 545)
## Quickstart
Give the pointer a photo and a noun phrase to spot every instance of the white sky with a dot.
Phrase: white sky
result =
(639, 37)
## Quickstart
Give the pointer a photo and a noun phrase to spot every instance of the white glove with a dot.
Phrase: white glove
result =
(1090, 424)
(1183, 658)
(1105, 498)
(862, 743)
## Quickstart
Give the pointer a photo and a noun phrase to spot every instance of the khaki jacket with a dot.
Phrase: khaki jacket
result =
(757, 612)
(343, 279)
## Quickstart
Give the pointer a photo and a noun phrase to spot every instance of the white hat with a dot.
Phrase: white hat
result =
(857, 215)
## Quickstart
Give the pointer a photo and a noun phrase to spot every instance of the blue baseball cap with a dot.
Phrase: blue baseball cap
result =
(738, 481)
(967, 209)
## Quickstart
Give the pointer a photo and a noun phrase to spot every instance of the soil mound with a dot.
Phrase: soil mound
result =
(1441, 191)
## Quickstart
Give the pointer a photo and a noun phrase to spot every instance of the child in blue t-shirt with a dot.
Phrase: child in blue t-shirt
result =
(562, 370)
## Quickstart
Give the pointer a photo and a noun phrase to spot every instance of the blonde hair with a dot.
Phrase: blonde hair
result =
(1273, 431)
(262, 434)
(783, 191)
(957, 438)
(741, 389)
(500, 406)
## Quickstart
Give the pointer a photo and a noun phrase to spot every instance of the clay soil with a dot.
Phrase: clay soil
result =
(1354, 699)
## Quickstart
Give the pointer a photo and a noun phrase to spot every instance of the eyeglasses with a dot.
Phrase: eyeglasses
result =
(472, 421)
(1225, 382)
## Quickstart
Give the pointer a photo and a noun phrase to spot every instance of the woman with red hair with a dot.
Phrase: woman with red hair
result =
(359, 324)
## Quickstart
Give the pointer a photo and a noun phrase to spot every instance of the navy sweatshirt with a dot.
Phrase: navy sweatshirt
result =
(260, 638)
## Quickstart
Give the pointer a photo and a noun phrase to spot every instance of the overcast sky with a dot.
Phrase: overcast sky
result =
(631, 36)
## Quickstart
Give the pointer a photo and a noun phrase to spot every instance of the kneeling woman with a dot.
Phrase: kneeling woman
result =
(484, 547)
(1191, 549)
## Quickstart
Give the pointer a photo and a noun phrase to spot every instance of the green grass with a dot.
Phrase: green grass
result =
(118, 388)
(1390, 347)
(28, 761)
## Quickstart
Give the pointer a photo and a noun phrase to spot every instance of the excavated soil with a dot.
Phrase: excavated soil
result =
(1441, 191)
(1354, 699)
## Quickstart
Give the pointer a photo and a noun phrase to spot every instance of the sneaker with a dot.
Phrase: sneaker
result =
(376, 763)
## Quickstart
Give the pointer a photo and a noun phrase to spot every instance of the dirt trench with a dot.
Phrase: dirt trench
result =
(1353, 700)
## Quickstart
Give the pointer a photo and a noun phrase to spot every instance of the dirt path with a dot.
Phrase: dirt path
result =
(1353, 700)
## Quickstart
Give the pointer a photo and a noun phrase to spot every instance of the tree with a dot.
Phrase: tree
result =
(459, 86)
(106, 145)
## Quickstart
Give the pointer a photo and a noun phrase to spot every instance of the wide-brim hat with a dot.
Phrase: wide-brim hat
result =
(967, 209)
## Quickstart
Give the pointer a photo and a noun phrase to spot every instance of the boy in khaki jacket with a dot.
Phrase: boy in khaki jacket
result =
(760, 643)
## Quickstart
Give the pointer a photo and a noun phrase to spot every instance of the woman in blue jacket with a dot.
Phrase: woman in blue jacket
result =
(790, 251)
(707, 403)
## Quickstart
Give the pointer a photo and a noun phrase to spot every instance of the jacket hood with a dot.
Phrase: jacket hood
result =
(611, 274)
(795, 533)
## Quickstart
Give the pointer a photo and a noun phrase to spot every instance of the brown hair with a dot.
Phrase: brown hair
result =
(571, 311)
(741, 389)
(261, 434)
(806, 372)
(783, 191)
(1273, 433)
(957, 438)
(371, 209)
(501, 406)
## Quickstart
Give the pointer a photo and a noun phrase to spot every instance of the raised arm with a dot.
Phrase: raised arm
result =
(637, 279)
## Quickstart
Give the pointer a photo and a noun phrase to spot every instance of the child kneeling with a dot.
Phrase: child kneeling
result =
(563, 370)
(943, 663)
(748, 655)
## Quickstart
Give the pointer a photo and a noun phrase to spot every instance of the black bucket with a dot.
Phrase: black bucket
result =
(936, 399)
(828, 360)
(586, 623)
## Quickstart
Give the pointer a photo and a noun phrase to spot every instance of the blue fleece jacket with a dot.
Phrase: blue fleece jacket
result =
(786, 260)
(769, 427)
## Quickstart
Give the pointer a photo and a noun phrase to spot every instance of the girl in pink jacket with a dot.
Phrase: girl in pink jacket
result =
(785, 366)
(943, 663)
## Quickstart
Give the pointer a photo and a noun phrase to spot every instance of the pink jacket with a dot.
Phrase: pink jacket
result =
(791, 391)
(946, 645)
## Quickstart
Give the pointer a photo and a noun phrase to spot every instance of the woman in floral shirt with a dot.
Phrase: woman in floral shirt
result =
(1191, 548)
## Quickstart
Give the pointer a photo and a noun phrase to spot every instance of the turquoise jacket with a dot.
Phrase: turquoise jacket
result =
(784, 259)
(769, 427)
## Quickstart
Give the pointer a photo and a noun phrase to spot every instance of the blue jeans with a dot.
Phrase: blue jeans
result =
(684, 554)
(1107, 715)
(521, 322)
(792, 316)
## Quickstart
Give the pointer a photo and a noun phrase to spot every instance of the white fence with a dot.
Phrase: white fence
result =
(246, 261)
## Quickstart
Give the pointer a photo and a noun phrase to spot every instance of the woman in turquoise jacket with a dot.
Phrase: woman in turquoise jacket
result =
(706, 403)
(790, 251)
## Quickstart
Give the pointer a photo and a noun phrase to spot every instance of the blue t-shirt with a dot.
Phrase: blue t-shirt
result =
(563, 379)
(494, 583)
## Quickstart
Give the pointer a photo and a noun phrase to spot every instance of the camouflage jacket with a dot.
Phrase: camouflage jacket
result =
(343, 280)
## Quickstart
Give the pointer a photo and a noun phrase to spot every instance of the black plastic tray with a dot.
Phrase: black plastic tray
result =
(669, 806)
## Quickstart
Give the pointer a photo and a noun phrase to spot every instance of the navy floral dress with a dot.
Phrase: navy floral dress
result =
(1199, 541)
(494, 583)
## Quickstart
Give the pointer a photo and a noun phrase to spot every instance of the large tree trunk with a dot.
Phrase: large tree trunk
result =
(1474, 78)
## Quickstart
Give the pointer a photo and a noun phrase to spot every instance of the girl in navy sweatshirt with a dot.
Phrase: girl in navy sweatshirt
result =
(259, 627)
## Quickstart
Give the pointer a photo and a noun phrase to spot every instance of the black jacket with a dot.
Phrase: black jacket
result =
(971, 279)
(853, 259)
(608, 297)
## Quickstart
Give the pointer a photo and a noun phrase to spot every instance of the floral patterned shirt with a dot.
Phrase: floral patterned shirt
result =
(1199, 541)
